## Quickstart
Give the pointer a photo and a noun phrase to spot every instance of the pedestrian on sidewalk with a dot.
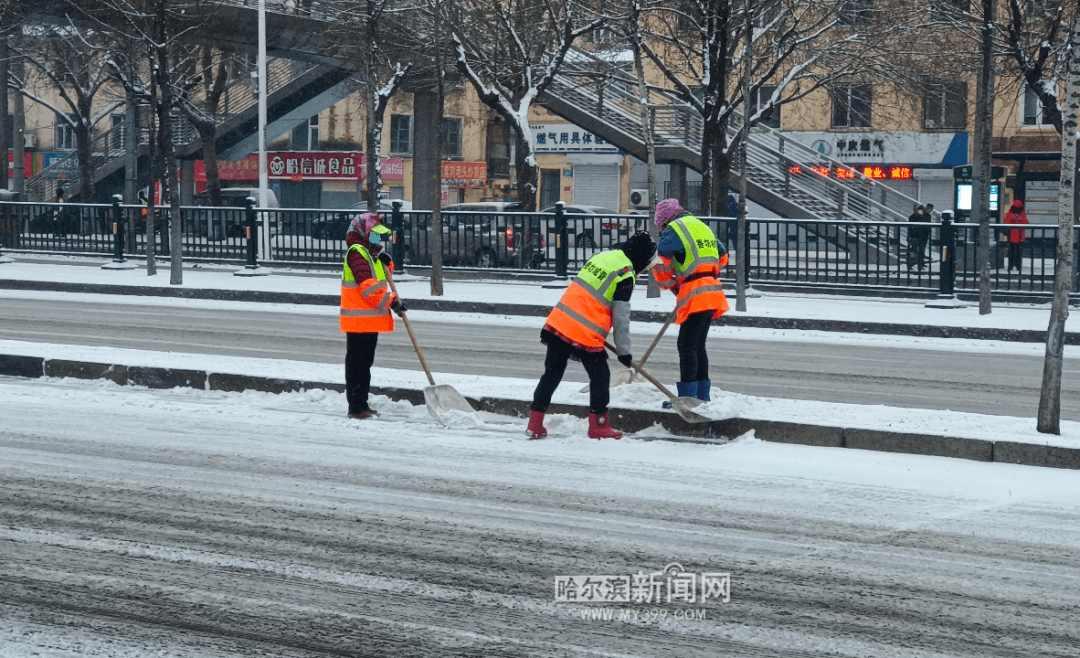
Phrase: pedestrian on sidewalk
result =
(690, 261)
(918, 236)
(366, 302)
(1016, 215)
(595, 302)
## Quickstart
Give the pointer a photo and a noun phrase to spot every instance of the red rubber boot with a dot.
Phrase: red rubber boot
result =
(600, 429)
(536, 425)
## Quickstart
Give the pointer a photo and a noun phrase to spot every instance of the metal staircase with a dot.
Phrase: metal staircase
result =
(292, 86)
(783, 175)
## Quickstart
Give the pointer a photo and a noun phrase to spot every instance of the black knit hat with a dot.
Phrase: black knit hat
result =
(640, 249)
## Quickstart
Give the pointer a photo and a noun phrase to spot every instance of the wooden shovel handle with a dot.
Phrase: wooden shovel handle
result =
(645, 373)
(408, 328)
(667, 323)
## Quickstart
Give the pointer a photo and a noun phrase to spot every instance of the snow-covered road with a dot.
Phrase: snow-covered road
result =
(140, 522)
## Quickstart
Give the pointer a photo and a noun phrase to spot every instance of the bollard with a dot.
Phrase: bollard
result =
(118, 230)
(397, 224)
(562, 245)
(252, 245)
(947, 272)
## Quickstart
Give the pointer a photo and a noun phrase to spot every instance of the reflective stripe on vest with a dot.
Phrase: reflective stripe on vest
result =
(583, 314)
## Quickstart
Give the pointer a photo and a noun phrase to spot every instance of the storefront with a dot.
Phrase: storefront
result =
(305, 179)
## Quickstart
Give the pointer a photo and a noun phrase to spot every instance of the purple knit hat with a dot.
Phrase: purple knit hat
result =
(667, 210)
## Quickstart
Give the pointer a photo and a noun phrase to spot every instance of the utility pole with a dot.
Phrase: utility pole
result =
(19, 134)
(981, 171)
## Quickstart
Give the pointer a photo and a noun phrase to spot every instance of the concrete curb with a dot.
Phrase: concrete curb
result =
(532, 310)
(630, 420)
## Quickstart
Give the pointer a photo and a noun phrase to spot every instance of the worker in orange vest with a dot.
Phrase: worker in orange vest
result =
(690, 261)
(366, 302)
(595, 302)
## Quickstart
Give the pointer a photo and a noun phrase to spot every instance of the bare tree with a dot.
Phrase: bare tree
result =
(162, 27)
(510, 50)
(1049, 419)
(209, 72)
(796, 49)
(1037, 36)
(71, 64)
(371, 31)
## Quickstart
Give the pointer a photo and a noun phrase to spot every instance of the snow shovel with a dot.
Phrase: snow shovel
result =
(682, 405)
(443, 397)
(621, 377)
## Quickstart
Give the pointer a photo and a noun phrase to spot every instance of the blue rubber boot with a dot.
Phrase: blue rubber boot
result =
(703, 388)
(685, 390)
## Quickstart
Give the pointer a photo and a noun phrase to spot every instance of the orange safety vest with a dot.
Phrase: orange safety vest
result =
(696, 280)
(365, 305)
(583, 314)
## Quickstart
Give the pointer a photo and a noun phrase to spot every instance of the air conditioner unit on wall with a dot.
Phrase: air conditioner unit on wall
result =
(639, 198)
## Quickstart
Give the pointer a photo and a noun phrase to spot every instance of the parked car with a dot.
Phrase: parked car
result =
(333, 226)
(594, 227)
(490, 234)
(217, 226)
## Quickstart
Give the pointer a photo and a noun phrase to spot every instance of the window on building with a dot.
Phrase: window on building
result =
(765, 12)
(1033, 111)
(64, 134)
(945, 105)
(305, 136)
(400, 133)
(855, 12)
(851, 106)
(451, 137)
(947, 9)
(772, 119)
(498, 149)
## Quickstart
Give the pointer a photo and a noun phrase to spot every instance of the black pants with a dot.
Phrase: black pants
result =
(359, 355)
(1015, 255)
(917, 250)
(693, 359)
(558, 353)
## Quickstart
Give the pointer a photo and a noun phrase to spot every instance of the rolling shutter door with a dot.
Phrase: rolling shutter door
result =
(597, 185)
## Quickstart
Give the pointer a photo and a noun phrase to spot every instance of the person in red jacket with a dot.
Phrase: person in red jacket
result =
(1016, 215)
(366, 302)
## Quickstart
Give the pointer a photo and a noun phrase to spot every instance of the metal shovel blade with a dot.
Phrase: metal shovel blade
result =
(684, 405)
(444, 398)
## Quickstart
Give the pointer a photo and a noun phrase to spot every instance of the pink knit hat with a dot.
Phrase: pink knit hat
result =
(363, 223)
(667, 210)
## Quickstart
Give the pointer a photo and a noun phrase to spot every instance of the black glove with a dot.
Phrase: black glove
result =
(398, 307)
(385, 258)
(626, 359)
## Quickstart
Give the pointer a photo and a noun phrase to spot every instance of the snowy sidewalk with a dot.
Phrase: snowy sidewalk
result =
(1023, 322)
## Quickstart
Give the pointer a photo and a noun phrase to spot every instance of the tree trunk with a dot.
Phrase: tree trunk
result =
(981, 172)
(528, 172)
(168, 160)
(131, 164)
(4, 146)
(647, 133)
(86, 166)
(1049, 420)
(208, 137)
(436, 184)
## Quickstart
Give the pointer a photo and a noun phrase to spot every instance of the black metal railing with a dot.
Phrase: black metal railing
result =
(795, 251)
